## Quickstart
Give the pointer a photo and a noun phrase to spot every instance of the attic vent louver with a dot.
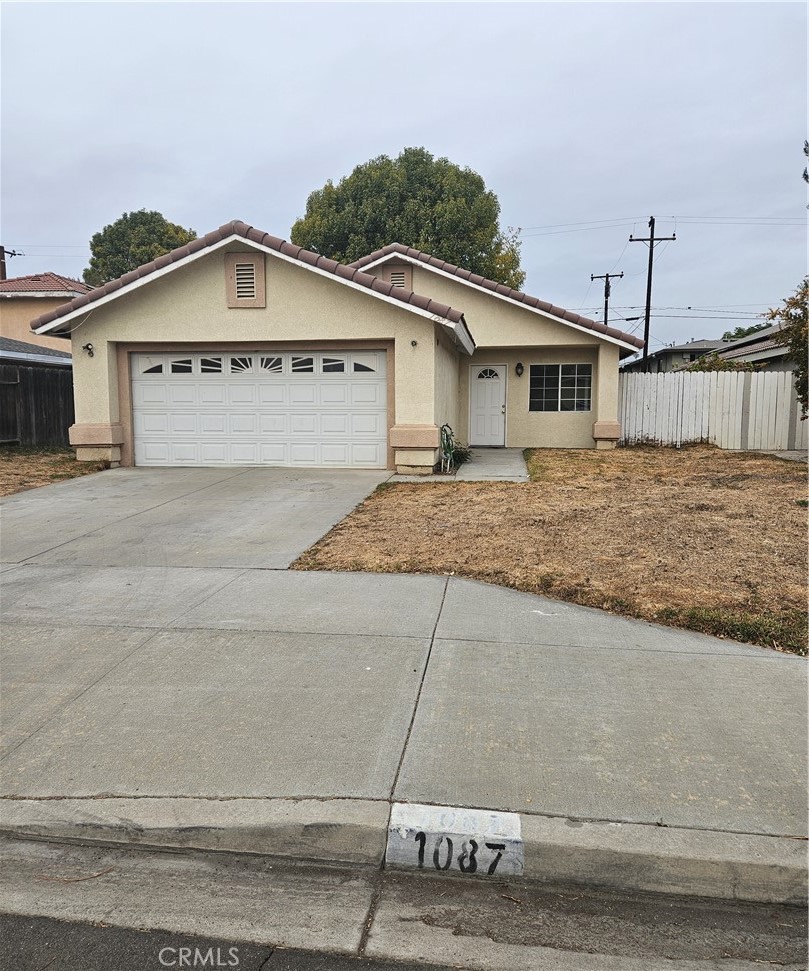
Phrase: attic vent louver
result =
(397, 278)
(245, 281)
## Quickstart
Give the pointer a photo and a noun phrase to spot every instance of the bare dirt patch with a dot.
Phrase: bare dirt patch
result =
(695, 537)
(25, 468)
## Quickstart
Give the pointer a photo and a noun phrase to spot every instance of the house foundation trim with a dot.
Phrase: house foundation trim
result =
(606, 430)
(415, 436)
(97, 443)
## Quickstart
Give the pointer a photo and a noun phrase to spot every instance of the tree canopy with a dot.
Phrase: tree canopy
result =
(415, 199)
(134, 239)
(794, 334)
(738, 332)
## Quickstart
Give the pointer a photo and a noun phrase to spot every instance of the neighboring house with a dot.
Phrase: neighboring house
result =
(675, 357)
(36, 394)
(240, 348)
(759, 348)
(25, 297)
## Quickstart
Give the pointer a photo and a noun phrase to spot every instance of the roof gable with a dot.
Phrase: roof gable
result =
(57, 320)
(398, 251)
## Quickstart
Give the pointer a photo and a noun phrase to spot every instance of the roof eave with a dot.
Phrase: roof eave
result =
(398, 253)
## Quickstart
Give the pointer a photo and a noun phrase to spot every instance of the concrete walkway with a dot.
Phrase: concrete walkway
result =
(164, 683)
(484, 465)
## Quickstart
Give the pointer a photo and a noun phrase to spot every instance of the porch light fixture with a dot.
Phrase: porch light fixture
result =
(88, 348)
(519, 369)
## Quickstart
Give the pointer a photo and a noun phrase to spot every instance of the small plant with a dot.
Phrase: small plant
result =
(452, 453)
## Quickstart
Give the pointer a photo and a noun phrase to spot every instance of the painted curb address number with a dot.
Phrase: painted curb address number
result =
(444, 838)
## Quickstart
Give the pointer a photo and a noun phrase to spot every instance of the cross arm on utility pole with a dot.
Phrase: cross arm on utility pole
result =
(652, 241)
(606, 277)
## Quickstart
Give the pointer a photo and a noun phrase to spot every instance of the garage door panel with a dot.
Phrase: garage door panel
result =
(273, 394)
(366, 394)
(242, 394)
(246, 424)
(213, 424)
(269, 424)
(302, 394)
(232, 410)
(212, 394)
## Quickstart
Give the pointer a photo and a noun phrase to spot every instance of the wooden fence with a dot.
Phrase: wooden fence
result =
(732, 409)
(36, 404)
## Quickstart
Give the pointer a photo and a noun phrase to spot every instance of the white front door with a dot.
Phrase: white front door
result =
(487, 404)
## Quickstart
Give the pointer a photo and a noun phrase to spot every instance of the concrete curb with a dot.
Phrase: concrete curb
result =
(623, 856)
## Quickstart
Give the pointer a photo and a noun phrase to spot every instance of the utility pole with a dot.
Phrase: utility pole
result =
(650, 239)
(606, 277)
(3, 255)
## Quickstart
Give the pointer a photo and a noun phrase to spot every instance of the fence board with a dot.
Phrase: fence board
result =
(731, 409)
(36, 404)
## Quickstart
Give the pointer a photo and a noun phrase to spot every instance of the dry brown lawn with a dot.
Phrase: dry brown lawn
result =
(694, 537)
(27, 468)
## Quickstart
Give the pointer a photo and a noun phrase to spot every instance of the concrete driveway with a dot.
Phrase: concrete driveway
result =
(258, 518)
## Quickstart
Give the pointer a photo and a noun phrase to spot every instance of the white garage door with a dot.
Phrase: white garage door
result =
(259, 408)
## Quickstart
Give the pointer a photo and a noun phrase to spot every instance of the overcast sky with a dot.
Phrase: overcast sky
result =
(576, 115)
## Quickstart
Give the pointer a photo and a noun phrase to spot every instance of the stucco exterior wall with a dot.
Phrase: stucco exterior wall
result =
(533, 429)
(16, 314)
(189, 305)
(448, 363)
(506, 333)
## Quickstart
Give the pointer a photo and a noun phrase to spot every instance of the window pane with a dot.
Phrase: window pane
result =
(182, 366)
(272, 364)
(241, 365)
(333, 364)
(306, 364)
(210, 365)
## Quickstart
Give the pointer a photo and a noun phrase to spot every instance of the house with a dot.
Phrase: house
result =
(675, 357)
(36, 394)
(240, 348)
(759, 348)
(25, 297)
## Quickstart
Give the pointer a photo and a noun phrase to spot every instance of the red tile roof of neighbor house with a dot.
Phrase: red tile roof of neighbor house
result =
(43, 283)
(499, 288)
(238, 228)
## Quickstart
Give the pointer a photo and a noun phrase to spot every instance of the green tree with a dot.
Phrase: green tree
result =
(793, 334)
(428, 203)
(712, 362)
(739, 332)
(134, 239)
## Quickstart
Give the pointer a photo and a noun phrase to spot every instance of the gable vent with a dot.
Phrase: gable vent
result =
(245, 281)
(397, 278)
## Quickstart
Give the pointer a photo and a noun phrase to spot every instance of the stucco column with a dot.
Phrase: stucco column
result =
(97, 434)
(415, 435)
(606, 430)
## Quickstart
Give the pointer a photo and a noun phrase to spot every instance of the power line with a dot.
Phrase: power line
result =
(652, 242)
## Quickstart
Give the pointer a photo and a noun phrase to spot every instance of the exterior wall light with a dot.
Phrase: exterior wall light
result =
(88, 348)
(519, 369)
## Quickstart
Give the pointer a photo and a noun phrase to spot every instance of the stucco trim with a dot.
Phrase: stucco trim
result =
(610, 430)
(414, 436)
(96, 436)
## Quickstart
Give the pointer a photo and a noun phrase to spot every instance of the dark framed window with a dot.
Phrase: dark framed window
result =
(560, 387)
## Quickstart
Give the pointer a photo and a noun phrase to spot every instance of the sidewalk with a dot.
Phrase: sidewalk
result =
(484, 465)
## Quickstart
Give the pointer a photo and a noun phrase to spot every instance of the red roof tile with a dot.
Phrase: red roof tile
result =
(516, 295)
(43, 283)
(238, 228)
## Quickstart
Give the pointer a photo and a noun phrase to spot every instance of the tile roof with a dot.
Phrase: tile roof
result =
(250, 233)
(499, 288)
(43, 283)
(731, 353)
